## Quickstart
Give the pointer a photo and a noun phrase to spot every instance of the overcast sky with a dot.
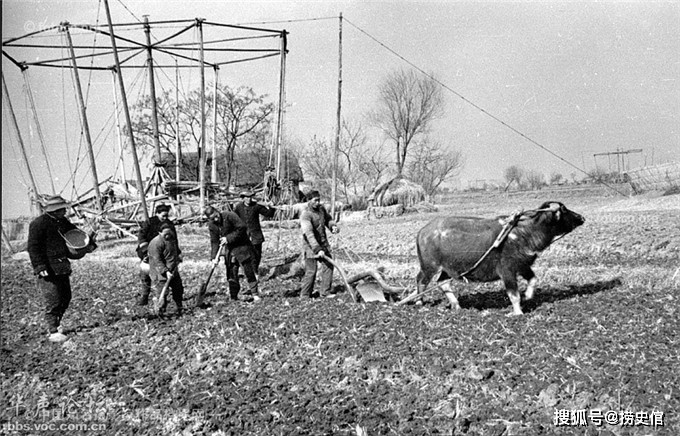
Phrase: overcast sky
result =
(577, 77)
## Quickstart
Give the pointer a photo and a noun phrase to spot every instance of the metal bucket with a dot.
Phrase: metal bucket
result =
(77, 241)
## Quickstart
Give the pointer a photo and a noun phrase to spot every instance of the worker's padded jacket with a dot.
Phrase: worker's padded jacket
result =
(148, 230)
(250, 216)
(313, 224)
(234, 229)
(163, 257)
(47, 248)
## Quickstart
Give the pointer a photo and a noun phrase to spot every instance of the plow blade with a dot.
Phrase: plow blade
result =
(371, 292)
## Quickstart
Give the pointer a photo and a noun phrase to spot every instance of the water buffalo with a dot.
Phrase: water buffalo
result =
(455, 245)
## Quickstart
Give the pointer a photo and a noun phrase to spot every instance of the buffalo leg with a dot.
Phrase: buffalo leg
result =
(446, 287)
(423, 279)
(510, 282)
(530, 277)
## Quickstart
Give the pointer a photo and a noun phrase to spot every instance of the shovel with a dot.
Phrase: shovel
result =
(204, 285)
(164, 292)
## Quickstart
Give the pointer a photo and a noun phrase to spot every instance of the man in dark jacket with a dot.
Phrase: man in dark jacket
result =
(50, 256)
(147, 231)
(313, 223)
(227, 227)
(249, 211)
(164, 262)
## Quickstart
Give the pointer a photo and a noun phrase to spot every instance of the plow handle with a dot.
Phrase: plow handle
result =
(343, 275)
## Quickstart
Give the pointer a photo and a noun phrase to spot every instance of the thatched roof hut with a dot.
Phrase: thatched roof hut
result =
(249, 166)
(397, 191)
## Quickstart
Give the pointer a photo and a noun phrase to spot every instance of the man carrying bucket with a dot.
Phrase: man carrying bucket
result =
(149, 230)
(52, 241)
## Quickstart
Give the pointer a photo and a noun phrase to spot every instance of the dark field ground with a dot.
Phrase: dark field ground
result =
(599, 339)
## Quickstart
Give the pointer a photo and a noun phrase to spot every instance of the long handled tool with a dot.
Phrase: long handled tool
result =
(204, 285)
(344, 276)
(429, 289)
(164, 292)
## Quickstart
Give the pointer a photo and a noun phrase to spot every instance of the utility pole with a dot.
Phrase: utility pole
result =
(213, 168)
(620, 157)
(338, 126)
(282, 99)
(202, 160)
(178, 150)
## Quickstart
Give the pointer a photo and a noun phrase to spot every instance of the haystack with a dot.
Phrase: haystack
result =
(397, 191)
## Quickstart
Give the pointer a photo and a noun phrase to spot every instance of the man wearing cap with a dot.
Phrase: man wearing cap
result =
(228, 228)
(164, 261)
(313, 223)
(50, 256)
(249, 211)
(147, 231)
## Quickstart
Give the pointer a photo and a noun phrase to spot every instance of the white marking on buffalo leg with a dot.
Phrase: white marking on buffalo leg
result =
(531, 288)
(446, 287)
(515, 299)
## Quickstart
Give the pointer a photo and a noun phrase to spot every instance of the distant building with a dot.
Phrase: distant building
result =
(248, 169)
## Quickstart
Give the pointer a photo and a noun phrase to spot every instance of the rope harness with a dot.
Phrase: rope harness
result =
(510, 223)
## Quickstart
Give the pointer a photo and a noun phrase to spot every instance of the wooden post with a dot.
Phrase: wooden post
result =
(336, 149)
(41, 137)
(123, 95)
(83, 116)
(21, 141)
(213, 168)
(282, 98)
(202, 160)
(152, 92)
(119, 135)
(178, 150)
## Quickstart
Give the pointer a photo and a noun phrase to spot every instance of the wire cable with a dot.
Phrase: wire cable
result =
(476, 106)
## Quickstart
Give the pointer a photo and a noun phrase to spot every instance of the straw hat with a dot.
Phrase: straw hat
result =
(54, 203)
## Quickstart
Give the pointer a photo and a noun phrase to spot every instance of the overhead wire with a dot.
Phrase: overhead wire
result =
(475, 105)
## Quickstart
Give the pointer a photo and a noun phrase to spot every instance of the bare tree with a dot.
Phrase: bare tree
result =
(240, 113)
(242, 118)
(317, 164)
(407, 105)
(556, 178)
(514, 173)
(360, 166)
(535, 179)
(431, 164)
(167, 122)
